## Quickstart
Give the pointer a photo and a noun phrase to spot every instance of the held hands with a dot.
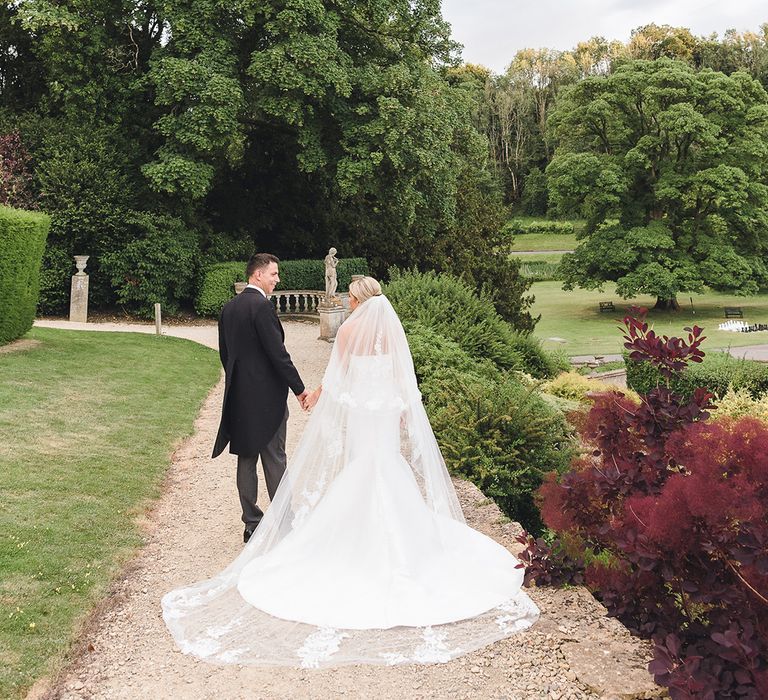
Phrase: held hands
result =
(302, 399)
(313, 397)
(308, 400)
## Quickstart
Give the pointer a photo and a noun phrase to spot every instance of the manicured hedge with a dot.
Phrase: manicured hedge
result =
(517, 227)
(718, 371)
(218, 279)
(22, 242)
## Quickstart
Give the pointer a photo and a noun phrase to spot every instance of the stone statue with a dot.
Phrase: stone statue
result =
(330, 276)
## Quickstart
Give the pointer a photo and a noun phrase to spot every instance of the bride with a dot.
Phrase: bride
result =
(364, 555)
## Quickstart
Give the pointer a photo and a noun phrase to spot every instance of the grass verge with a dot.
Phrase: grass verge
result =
(88, 422)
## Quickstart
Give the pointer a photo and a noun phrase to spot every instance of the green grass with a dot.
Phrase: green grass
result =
(544, 241)
(553, 258)
(88, 422)
(575, 317)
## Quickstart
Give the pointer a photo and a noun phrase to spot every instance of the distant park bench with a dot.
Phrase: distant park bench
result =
(733, 312)
(606, 306)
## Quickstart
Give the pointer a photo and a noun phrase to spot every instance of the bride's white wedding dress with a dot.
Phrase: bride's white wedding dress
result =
(363, 555)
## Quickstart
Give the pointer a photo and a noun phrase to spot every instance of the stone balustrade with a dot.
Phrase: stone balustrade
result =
(297, 301)
(302, 302)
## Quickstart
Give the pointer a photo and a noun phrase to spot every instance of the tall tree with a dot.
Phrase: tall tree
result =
(746, 51)
(670, 168)
(319, 119)
(597, 56)
(653, 41)
(544, 72)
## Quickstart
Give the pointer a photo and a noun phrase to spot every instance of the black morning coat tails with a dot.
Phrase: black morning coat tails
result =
(259, 373)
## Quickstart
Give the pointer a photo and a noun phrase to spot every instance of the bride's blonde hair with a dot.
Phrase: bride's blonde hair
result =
(364, 288)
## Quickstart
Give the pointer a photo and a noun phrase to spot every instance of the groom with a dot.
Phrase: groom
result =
(259, 373)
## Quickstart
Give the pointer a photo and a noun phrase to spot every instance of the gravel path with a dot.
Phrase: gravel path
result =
(574, 651)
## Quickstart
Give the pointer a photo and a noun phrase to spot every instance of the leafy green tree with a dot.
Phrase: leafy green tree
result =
(534, 199)
(652, 41)
(311, 122)
(597, 56)
(288, 125)
(86, 188)
(670, 168)
(21, 80)
(474, 247)
(737, 51)
(90, 54)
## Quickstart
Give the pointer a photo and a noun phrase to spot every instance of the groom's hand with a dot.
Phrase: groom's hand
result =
(302, 399)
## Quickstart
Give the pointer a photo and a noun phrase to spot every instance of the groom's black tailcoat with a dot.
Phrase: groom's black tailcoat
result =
(259, 373)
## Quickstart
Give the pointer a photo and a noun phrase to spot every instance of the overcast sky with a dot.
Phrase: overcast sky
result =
(493, 30)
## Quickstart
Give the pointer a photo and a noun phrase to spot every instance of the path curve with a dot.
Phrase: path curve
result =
(575, 651)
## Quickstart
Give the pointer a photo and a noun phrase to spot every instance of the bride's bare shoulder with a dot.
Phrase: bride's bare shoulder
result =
(345, 332)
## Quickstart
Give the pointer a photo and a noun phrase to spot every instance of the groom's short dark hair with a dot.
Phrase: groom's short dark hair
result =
(258, 261)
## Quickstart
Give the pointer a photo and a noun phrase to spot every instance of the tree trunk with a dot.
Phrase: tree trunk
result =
(667, 304)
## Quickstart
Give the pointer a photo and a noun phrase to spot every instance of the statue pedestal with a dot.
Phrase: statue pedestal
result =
(78, 301)
(331, 317)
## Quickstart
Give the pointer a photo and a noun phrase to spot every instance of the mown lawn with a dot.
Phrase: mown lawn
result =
(544, 241)
(575, 318)
(553, 258)
(88, 422)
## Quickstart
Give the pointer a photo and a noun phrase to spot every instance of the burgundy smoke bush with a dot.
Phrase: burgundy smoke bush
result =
(668, 515)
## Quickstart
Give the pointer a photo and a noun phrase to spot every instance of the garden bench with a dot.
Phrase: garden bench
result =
(733, 312)
(606, 306)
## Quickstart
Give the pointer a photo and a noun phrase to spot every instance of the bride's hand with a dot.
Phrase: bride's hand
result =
(313, 397)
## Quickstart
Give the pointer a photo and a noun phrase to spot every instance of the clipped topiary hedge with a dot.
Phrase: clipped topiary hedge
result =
(22, 242)
(717, 373)
(217, 287)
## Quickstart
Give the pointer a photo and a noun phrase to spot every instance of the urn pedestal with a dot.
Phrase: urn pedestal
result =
(331, 317)
(78, 300)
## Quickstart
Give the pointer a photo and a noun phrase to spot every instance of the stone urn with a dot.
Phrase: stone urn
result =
(80, 263)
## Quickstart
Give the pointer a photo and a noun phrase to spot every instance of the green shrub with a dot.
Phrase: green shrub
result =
(738, 403)
(158, 265)
(518, 227)
(217, 287)
(434, 353)
(310, 274)
(451, 308)
(501, 435)
(220, 246)
(22, 242)
(55, 275)
(717, 373)
(87, 189)
(575, 387)
(218, 279)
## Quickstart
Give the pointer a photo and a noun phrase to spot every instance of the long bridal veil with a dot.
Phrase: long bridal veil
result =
(349, 512)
